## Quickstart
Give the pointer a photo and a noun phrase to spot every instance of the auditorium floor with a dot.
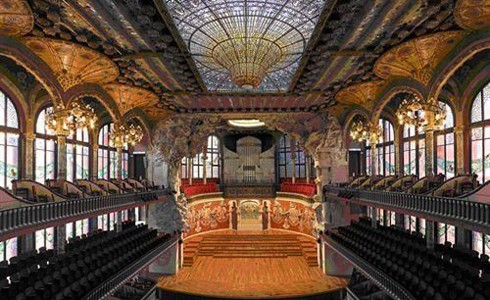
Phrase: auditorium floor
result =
(250, 265)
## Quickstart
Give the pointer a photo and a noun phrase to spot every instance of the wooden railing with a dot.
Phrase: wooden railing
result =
(380, 278)
(22, 218)
(470, 214)
(114, 282)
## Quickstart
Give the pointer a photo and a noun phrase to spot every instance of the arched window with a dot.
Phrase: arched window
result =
(45, 149)
(445, 159)
(385, 149)
(107, 155)
(78, 155)
(285, 160)
(9, 141)
(413, 150)
(480, 134)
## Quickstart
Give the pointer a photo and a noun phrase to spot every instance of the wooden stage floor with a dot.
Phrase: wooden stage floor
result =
(242, 268)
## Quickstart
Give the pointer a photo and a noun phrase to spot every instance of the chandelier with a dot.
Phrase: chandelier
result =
(127, 134)
(66, 120)
(414, 112)
(365, 132)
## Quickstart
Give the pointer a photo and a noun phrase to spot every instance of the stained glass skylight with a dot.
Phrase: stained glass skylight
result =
(251, 45)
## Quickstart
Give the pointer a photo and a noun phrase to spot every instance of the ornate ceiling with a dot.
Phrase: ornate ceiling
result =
(340, 51)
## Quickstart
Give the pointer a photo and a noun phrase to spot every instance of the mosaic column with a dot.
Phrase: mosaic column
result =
(459, 142)
(95, 156)
(190, 161)
(373, 141)
(397, 148)
(374, 217)
(119, 163)
(430, 234)
(29, 165)
(119, 221)
(429, 150)
(308, 166)
(61, 157)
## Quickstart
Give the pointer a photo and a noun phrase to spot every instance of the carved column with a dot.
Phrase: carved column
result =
(29, 159)
(204, 172)
(95, 157)
(459, 141)
(119, 164)
(61, 157)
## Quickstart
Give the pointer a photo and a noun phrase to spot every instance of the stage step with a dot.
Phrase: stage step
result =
(251, 246)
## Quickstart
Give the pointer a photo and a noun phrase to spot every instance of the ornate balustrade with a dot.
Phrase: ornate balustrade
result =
(381, 279)
(457, 211)
(14, 221)
(114, 282)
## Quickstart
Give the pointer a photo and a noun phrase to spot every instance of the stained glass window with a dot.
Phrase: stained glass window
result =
(8, 249)
(107, 154)
(70, 233)
(45, 149)
(102, 222)
(480, 135)
(77, 155)
(213, 157)
(384, 163)
(413, 151)
(9, 141)
(445, 145)
(45, 238)
(207, 26)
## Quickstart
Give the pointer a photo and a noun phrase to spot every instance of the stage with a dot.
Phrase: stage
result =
(250, 265)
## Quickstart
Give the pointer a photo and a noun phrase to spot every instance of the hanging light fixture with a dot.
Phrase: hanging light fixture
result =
(360, 131)
(126, 134)
(66, 120)
(412, 111)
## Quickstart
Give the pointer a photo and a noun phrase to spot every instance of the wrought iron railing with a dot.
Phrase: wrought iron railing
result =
(19, 218)
(114, 282)
(380, 278)
(467, 213)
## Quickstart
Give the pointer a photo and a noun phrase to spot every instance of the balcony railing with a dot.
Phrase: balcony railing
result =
(470, 214)
(377, 276)
(111, 284)
(21, 218)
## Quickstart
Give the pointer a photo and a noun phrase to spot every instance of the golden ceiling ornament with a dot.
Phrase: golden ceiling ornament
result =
(365, 131)
(73, 64)
(417, 58)
(16, 18)
(363, 94)
(247, 58)
(472, 14)
(415, 112)
(65, 120)
(157, 114)
(127, 134)
(128, 97)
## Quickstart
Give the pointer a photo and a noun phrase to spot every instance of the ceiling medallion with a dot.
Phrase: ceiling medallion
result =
(414, 112)
(16, 17)
(73, 64)
(252, 45)
(128, 97)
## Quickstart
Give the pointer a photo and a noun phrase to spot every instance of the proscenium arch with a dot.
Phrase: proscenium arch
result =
(97, 92)
(12, 48)
(471, 45)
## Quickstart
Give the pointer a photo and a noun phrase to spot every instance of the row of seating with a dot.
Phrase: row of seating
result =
(428, 274)
(192, 190)
(299, 188)
(198, 181)
(87, 262)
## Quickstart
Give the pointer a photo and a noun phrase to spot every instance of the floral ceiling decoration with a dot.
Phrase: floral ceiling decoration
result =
(128, 97)
(250, 45)
(472, 14)
(73, 64)
(363, 94)
(16, 17)
(417, 58)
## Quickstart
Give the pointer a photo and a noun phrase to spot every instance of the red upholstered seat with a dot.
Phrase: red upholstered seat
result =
(299, 188)
(196, 189)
